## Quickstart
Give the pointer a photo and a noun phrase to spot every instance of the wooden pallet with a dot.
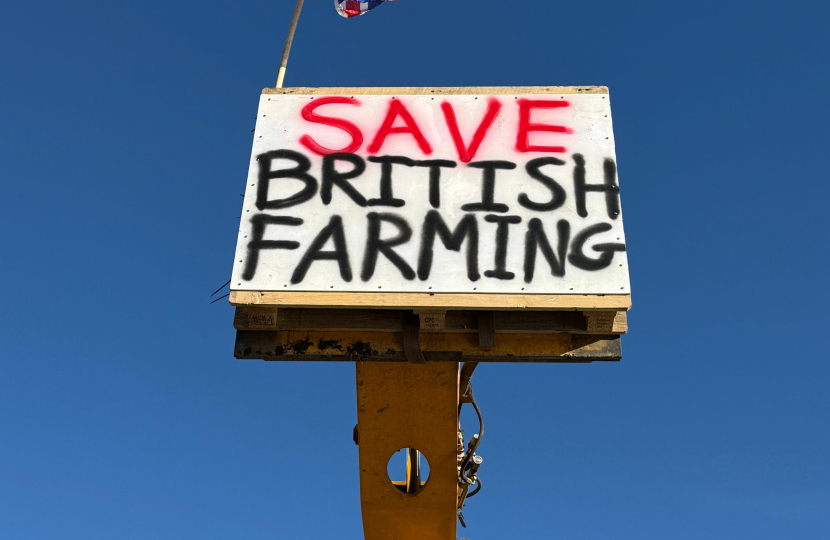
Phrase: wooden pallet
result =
(349, 334)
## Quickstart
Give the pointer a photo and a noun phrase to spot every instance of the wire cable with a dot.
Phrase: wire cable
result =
(474, 442)
(476, 490)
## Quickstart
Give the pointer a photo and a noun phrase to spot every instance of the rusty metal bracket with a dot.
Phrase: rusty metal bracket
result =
(411, 343)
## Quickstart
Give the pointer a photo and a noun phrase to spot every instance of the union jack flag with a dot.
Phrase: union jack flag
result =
(353, 8)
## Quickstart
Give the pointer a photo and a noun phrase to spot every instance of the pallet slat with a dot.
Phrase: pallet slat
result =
(385, 320)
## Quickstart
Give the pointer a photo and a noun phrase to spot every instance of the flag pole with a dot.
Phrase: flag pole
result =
(288, 41)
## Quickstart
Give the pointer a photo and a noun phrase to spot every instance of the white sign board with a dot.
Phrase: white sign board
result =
(433, 192)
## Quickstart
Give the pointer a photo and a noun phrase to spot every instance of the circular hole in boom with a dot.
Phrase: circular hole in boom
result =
(408, 470)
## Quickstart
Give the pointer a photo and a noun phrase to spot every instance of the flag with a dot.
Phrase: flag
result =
(353, 8)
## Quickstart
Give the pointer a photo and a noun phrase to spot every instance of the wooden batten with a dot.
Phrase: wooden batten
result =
(439, 301)
(446, 91)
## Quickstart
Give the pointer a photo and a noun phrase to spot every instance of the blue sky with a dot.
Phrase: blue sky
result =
(125, 132)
